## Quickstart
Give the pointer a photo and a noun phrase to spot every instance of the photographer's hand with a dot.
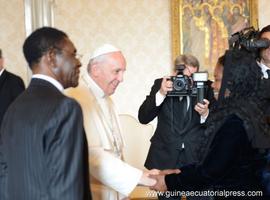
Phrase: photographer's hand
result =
(202, 108)
(166, 85)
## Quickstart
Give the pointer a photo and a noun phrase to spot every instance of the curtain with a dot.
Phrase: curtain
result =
(38, 13)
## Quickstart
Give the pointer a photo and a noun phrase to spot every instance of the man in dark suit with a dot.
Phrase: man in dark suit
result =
(10, 87)
(42, 139)
(264, 61)
(264, 53)
(179, 130)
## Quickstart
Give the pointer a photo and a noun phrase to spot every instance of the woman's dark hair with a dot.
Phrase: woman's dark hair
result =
(241, 95)
(40, 41)
(241, 75)
(0, 53)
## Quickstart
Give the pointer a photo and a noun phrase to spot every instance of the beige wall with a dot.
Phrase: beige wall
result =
(12, 35)
(264, 14)
(141, 28)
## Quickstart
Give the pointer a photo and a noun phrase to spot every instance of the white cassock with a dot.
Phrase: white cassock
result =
(111, 178)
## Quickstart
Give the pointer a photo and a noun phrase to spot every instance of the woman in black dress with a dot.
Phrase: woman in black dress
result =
(233, 157)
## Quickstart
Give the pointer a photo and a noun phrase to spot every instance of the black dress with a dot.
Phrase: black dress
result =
(231, 163)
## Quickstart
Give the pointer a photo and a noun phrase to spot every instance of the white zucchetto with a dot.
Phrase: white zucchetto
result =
(104, 49)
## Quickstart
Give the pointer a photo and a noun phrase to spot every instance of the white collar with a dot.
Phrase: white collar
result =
(97, 91)
(263, 66)
(51, 80)
(1, 72)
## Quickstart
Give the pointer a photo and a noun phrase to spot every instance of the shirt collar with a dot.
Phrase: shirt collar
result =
(264, 68)
(98, 92)
(51, 80)
(1, 72)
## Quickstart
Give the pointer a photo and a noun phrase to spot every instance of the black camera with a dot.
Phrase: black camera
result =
(182, 85)
(188, 86)
(248, 39)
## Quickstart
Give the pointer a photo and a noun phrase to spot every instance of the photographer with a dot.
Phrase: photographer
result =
(179, 128)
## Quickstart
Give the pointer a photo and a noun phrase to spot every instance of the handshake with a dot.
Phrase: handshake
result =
(155, 179)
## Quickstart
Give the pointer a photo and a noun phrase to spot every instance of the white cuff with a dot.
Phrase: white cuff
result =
(204, 118)
(159, 98)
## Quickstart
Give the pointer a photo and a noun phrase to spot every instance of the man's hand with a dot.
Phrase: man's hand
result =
(202, 108)
(166, 85)
(160, 179)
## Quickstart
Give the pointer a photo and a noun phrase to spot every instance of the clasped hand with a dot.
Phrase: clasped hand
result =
(156, 178)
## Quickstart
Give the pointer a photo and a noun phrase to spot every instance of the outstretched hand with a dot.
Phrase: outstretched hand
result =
(146, 180)
(160, 179)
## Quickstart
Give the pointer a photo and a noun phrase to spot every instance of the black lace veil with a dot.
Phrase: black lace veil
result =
(242, 93)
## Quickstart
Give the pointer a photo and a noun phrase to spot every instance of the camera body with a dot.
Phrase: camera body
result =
(248, 39)
(188, 86)
(182, 86)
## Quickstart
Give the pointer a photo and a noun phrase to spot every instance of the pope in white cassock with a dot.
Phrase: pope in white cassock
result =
(111, 178)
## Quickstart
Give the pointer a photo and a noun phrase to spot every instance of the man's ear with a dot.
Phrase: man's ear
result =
(51, 62)
(51, 58)
(1, 63)
(95, 70)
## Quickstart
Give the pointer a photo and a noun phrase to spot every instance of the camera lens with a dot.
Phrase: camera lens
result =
(179, 84)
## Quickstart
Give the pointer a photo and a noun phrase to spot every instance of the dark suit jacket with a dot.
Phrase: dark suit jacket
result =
(265, 93)
(231, 163)
(175, 139)
(44, 147)
(10, 87)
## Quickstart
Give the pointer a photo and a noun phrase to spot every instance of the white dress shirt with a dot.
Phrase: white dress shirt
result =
(264, 68)
(51, 80)
(1, 72)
